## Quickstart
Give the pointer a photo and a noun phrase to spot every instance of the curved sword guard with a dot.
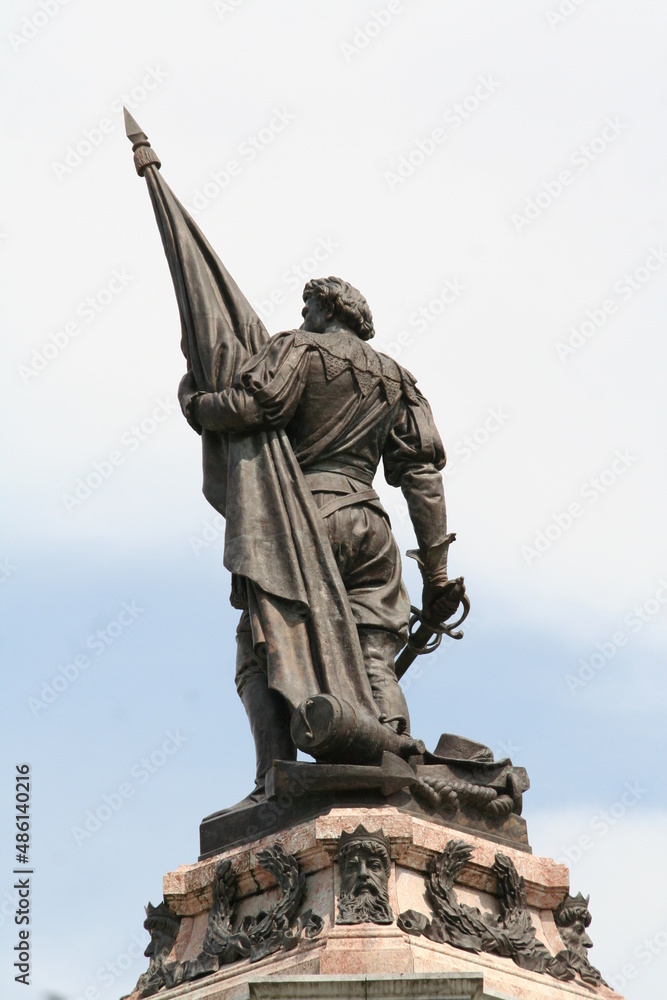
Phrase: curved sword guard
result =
(427, 637)
(448, 629)
(422, 639)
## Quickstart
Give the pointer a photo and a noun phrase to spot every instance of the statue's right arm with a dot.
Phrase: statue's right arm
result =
(230, 410)
(265, 395)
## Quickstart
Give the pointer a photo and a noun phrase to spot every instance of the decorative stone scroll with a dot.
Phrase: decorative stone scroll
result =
(256, 937)
(449, 794)
(511, 934)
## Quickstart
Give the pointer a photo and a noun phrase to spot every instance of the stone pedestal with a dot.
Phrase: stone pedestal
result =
(303, 950)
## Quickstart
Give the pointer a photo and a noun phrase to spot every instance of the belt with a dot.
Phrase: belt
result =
(335, 482)
(347, 501)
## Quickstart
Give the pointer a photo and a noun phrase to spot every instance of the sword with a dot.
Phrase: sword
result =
(423, 636)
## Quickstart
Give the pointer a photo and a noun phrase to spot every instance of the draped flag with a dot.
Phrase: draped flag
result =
(275, 538)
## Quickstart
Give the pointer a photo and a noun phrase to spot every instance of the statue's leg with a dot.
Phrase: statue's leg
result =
(267, 710)
(369, 561)
(379, 648)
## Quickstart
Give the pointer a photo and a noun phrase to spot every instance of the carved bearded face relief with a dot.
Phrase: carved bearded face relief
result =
(575, 937)
(365, 865)
(572, 918)
(363, 872)
(160, 944)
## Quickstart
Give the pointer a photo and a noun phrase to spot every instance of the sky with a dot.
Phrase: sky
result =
(491, 175)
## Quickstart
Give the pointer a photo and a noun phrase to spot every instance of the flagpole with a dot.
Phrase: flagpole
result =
(144, 155)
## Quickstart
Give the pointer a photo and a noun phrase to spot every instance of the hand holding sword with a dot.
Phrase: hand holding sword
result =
(441, 600)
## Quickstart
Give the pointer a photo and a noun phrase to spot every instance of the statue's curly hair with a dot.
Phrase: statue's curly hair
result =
(347, 302)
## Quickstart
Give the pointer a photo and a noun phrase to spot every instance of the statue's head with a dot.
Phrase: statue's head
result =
(365, 864)
(572, 917)
(162, 925)
(330, 300)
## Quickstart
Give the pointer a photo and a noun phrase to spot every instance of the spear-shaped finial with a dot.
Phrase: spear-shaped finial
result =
(144, 156)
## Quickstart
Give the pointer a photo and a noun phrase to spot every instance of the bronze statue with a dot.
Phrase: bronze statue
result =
(293, 430)
(345, 409)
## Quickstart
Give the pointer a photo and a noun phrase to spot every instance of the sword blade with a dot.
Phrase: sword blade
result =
(408, 655)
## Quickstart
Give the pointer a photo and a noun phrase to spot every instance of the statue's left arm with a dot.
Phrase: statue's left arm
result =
(414, 457)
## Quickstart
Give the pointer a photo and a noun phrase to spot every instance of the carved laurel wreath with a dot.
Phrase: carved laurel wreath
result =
(270, 931)
(510, 935)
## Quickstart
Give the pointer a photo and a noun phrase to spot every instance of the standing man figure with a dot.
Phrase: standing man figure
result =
(345, 408)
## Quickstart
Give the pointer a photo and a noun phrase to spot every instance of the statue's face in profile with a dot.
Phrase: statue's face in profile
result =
(575, 937)
(364, 893)
(315, 316)
(160, 943)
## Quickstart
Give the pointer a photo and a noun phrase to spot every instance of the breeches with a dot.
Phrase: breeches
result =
(369, 562)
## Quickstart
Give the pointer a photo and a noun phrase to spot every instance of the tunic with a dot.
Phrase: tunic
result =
(346, 408)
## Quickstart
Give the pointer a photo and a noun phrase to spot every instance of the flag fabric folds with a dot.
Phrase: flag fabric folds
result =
(275, 537)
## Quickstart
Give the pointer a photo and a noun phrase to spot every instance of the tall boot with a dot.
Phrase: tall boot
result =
(269, 718)
(379, 648)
